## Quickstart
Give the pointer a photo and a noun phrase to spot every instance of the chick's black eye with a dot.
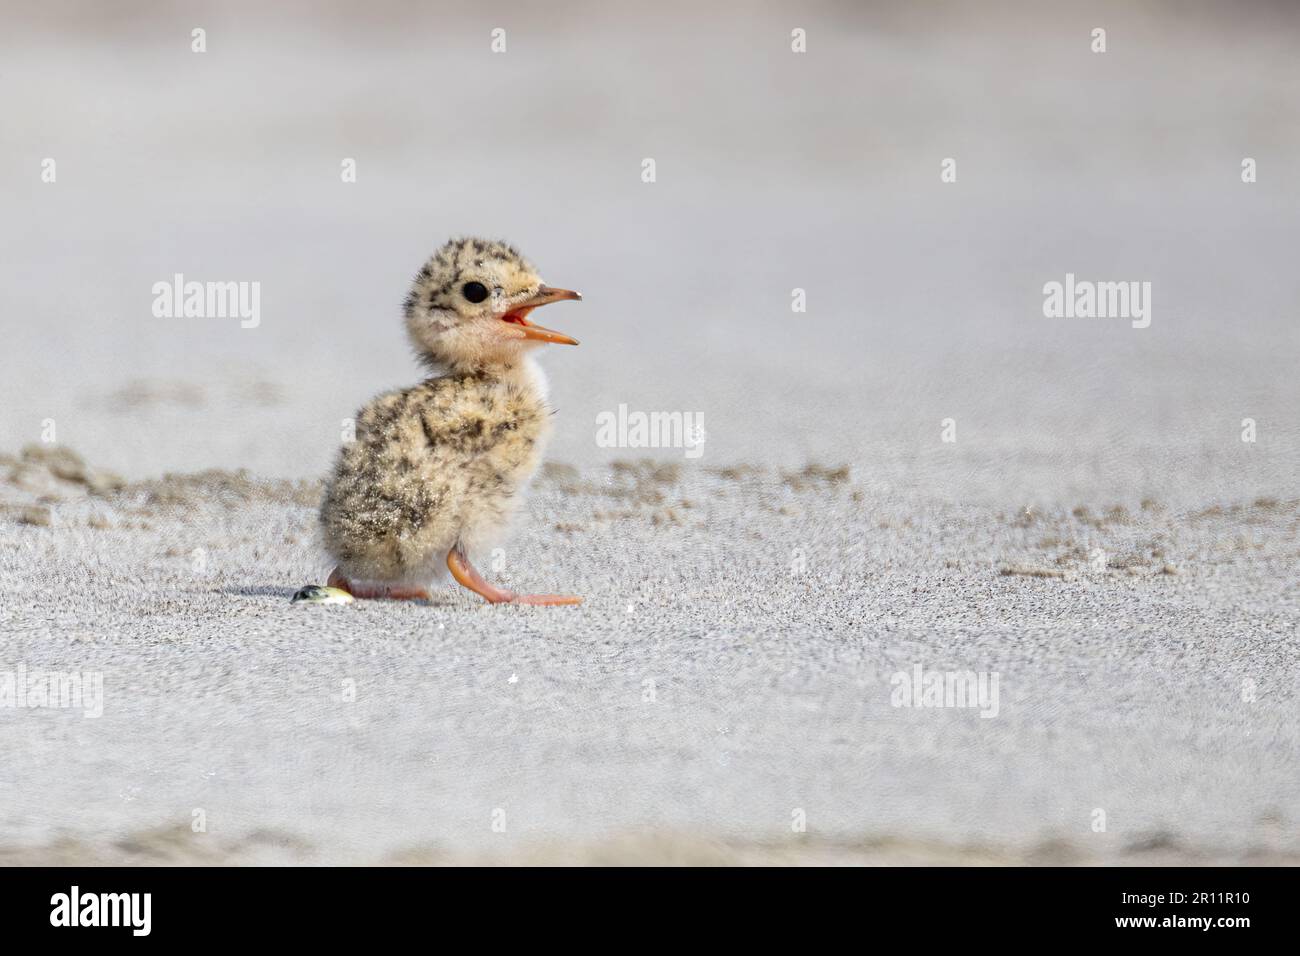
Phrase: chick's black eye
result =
(474, 291)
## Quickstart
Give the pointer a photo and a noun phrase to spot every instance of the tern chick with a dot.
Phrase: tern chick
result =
(438, 469)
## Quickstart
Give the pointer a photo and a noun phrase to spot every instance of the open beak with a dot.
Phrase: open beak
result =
(518, 316)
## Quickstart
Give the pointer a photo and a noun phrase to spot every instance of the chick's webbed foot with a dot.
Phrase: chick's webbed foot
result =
(467, 576)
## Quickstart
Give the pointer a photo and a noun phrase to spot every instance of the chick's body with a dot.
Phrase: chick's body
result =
(433, 466)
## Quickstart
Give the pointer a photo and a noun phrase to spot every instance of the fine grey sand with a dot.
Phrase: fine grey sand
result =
(1103, 534)
(716, 683)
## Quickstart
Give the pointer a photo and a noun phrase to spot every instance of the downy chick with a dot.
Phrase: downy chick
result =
(437, 469)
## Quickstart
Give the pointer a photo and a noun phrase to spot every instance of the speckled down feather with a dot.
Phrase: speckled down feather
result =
(432, 466)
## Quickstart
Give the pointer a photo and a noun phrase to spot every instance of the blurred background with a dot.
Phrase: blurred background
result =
(775, 171)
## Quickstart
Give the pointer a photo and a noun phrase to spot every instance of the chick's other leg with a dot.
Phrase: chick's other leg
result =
(392, 592)
(467, 575)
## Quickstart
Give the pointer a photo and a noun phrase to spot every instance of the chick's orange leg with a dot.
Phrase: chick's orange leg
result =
(394, 593)
(467, 575)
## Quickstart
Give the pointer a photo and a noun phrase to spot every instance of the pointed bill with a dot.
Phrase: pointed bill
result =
(518, 316)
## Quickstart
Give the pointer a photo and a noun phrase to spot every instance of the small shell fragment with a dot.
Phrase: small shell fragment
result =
(321, 594)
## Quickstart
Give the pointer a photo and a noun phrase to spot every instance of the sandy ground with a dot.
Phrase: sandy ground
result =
(1098, 535)
(716, 683)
